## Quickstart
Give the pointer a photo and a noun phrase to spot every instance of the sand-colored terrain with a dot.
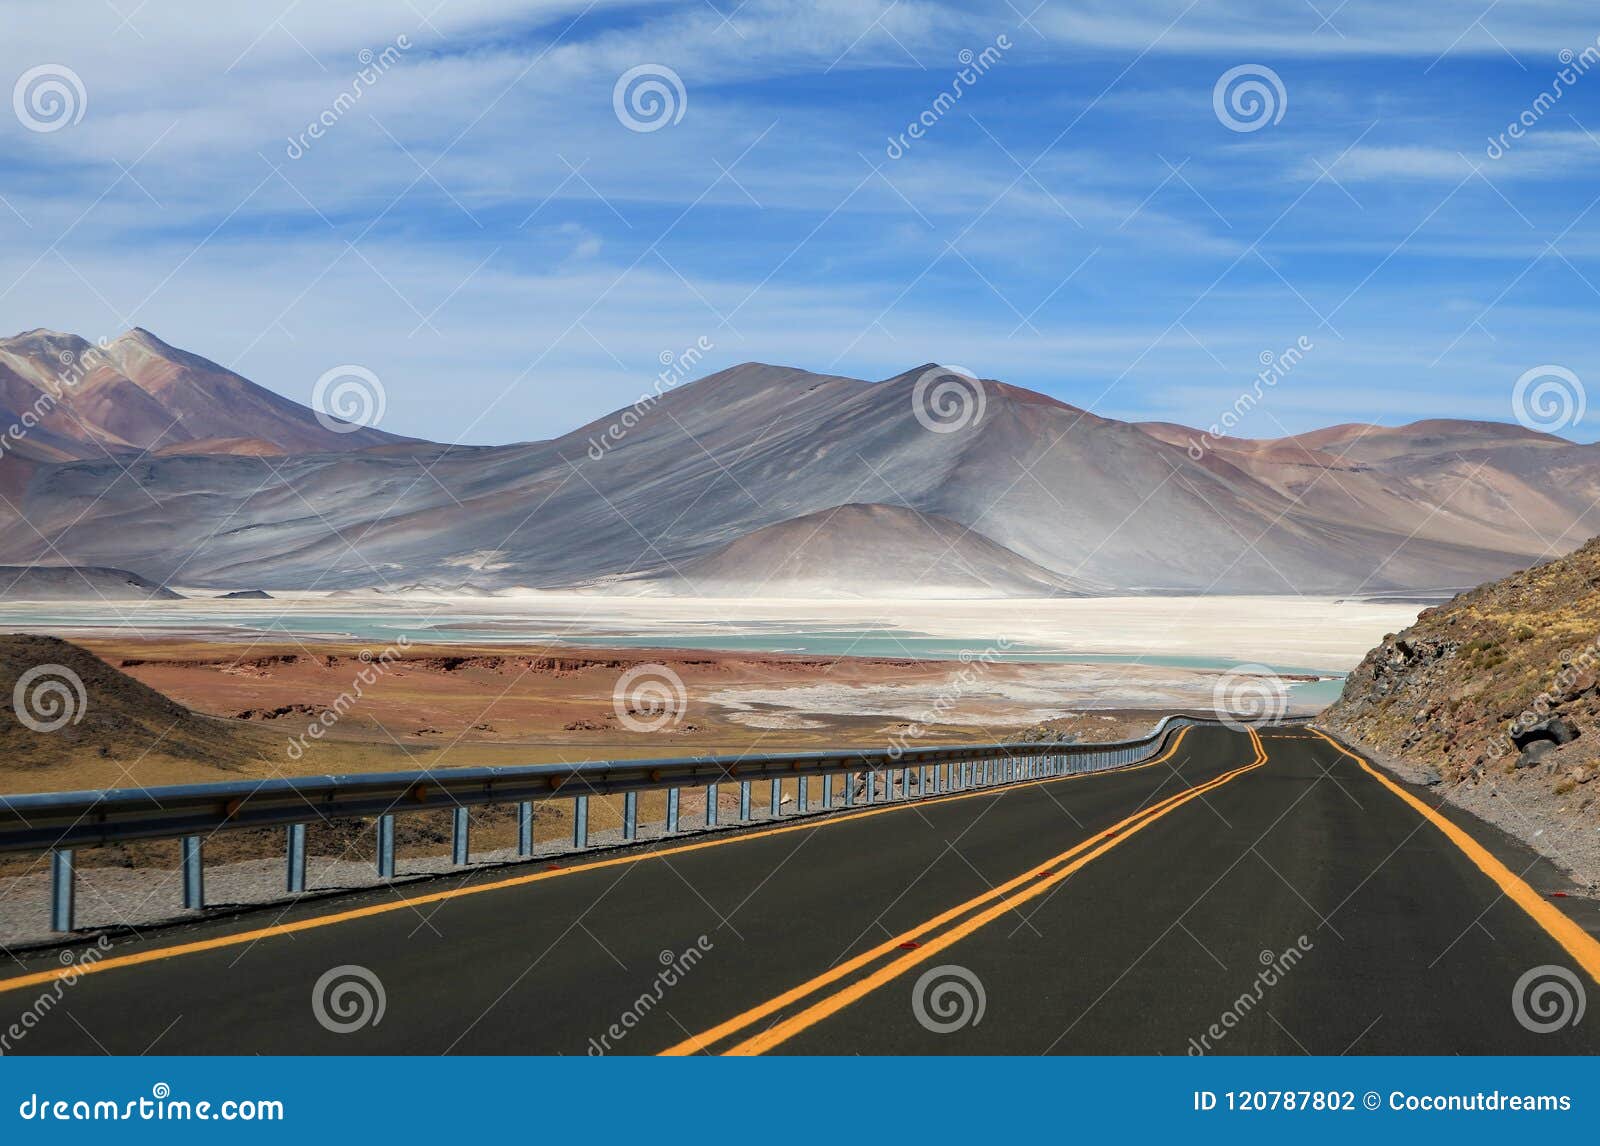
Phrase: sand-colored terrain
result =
(185, 711)
(431, 707)
(1305, 632)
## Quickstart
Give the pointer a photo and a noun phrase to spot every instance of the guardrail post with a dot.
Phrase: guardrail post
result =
(194, 876)
(774, 800)
(905, 783)
(872, 785)
(827, 790)
(744, 801)
(61, 890)
(386, 847)
(460, 837)
(802, 793)
(295, 858)
(630, 815)
(580, 821)
(851, 779)
(672, 811)
(525, 828)
(711, 805)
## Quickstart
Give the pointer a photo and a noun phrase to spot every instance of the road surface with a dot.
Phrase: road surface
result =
(1264, 894)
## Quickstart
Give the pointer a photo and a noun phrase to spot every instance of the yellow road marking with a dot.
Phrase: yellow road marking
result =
(136, 958)
(1034, 882)
(1575, 940)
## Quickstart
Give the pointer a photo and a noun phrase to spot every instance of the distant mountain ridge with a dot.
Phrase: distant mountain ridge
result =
(61, 583)
(857, 484)
(136, 393)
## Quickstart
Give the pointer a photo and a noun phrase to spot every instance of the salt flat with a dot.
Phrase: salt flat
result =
(1307, 632)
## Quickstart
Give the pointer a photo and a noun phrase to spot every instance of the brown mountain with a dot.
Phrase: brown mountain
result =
(859, 551)
(1042, 495)
(137, 393)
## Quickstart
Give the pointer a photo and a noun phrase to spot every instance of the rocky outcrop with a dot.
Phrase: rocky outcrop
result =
(1498, 693)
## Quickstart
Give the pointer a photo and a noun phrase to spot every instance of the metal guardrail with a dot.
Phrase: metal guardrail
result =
(61, 821)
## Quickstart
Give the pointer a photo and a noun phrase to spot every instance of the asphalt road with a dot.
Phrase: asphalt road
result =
(1244, 895)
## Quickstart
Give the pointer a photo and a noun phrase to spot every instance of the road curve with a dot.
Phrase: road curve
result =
(1263, 894)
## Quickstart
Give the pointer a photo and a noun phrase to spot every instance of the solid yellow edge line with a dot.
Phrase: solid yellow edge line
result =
(695, 1044)
(1034, 877)
(78, 970)
(1575, 940)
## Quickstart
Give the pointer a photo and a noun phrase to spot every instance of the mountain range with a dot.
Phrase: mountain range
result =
(760, 480)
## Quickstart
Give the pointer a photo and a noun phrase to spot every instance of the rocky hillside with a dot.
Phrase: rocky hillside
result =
(1495, 696)
(60, 706)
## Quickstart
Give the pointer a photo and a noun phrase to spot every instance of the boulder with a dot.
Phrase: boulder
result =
(1552, 729)
(1536, 753)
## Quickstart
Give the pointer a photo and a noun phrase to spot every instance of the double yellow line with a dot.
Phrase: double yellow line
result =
(957, 923)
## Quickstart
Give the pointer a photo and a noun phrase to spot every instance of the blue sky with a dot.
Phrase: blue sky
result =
(482, 231)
